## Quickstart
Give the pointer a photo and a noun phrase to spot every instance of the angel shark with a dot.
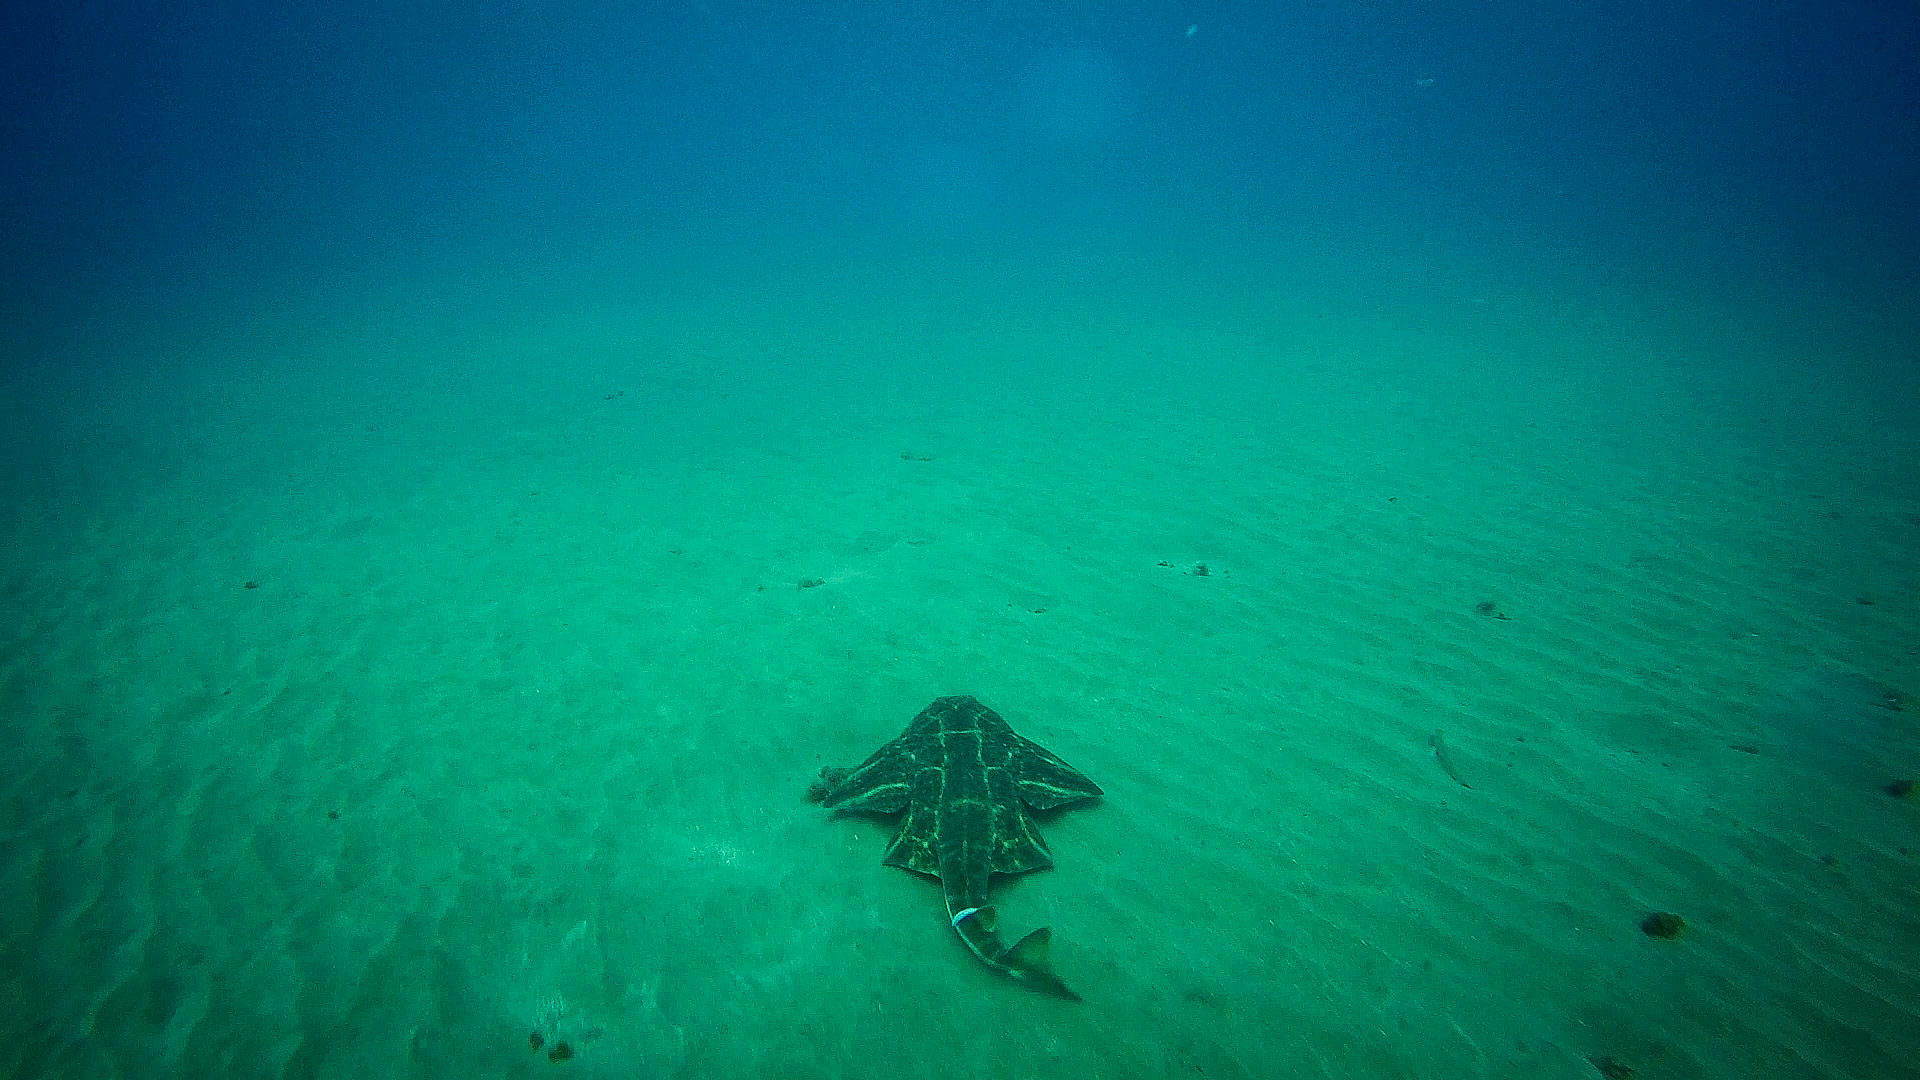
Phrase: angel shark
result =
(964, 783)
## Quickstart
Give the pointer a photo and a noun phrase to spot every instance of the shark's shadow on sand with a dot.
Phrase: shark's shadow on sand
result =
(965, 785)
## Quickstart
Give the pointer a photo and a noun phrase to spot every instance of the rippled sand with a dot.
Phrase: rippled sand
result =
(369, 724)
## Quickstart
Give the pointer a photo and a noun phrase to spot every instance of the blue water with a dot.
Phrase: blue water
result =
(164, 168)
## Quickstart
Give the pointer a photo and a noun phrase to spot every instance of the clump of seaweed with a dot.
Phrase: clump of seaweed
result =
(1663, 924)
(830, 778)
(1899, 789)
(562, 1051)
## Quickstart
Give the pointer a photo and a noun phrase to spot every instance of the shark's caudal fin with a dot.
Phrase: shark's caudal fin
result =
(1027, 962)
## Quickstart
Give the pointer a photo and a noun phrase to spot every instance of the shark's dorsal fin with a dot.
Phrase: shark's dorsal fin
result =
(1031, 953)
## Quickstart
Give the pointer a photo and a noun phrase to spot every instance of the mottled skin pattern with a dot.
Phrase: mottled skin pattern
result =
(964, 783)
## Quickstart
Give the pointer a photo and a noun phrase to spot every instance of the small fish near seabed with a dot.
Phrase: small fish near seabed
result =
(1438, 742)
(964, 783)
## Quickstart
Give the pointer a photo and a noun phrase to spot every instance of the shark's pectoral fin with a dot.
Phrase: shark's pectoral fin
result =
(1046, 781)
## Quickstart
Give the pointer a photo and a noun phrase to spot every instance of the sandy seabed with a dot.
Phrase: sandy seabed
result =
(373, 718)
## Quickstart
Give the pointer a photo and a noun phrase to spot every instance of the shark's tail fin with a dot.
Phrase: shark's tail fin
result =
(1028, 962)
